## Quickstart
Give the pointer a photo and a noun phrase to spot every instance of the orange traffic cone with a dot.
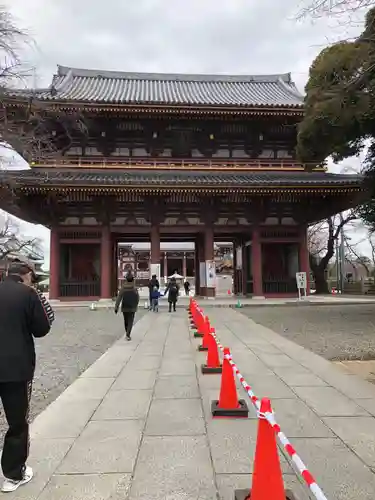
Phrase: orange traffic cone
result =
(207, 331)
(267, 480)
(195, 316)
(201, 326)
(229, 405)
(213, 364)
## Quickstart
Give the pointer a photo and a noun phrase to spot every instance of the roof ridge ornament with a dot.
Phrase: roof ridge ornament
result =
(291, 87)
(238, 92)
(64, 71)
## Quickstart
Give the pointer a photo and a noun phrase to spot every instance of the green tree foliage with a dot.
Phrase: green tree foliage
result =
(336, 105)
(340, 106)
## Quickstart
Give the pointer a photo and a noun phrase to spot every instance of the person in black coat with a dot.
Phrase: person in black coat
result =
(24, 314)
(128, 298)
(154, 282)
(187, 287)
(173, 291)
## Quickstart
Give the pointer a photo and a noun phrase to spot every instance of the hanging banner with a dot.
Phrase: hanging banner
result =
(210, 274)
(239, 258)
(202, 274)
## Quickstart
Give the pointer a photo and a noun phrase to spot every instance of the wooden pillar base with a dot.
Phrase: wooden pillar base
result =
(207, 292)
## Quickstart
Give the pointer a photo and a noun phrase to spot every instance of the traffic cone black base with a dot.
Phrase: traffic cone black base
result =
(241, 412)
(207, 369)
(198, 335)
(246, 495)
(202, 348)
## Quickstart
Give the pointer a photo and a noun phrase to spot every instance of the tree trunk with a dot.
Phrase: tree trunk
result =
(321, 285)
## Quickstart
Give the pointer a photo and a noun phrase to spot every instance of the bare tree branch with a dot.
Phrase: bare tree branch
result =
(12, 244)
(321, 241)
(359, 259)
(333, 8)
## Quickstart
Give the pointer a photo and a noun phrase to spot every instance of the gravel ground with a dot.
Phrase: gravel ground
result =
(344, 332)
(77, 339)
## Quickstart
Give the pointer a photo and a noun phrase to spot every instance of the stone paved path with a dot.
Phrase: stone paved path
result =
(136, 425)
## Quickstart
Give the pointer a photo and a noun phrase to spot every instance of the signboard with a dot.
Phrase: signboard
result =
(301, 280)
(210, 274)
(155, 269)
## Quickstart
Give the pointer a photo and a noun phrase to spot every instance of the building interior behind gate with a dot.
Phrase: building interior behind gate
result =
(95, 264)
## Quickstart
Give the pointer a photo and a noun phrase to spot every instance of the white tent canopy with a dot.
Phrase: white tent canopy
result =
(175, 275)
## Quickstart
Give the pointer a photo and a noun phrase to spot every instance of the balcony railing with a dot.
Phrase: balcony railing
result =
(168, 163)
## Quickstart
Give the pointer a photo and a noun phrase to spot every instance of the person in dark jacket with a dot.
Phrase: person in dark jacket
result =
(23, 316)
(187, 287)
(173, 291)
(128, 297)
(154, 282)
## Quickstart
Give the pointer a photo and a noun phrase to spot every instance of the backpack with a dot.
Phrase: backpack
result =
(173, 288)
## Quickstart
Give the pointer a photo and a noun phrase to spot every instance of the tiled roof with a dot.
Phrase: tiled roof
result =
(139, 178)
(70, 84)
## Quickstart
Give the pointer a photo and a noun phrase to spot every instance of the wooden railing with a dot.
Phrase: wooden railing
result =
(80, 289)
(169, 163)
(281, 285)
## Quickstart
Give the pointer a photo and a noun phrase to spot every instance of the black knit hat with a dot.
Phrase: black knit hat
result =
(21, 268)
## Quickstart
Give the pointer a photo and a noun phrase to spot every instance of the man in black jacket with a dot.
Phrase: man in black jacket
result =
(23, 316)
(128, 297)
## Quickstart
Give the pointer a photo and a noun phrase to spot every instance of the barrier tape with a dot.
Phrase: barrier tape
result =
(305, 474)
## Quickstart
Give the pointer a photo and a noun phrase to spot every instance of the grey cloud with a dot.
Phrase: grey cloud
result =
(223, 36)
(230, 36)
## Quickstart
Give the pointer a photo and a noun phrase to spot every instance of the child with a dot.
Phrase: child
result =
(155, 294)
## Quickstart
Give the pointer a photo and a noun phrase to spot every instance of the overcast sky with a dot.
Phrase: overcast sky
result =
(195, 36)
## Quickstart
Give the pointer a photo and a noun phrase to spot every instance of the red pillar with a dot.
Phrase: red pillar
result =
(155, 250)
(165, 265)
(209, 257)
(105, 264)
(196, 266)
(235, 272)
(201, 266)
(184, 266)
(304, 260)
(256, 263)
(246, 271)
(54, 265)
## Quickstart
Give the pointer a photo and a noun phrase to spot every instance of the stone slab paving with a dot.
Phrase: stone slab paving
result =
(328, 415)
(137, 424)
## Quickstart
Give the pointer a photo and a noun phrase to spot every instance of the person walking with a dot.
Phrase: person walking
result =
(128, 298)
(24, 314)
(187, 287)
(172, 290)
(155, 295)
(154, 282)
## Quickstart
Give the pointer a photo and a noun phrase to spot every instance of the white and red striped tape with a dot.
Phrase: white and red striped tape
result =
(283, 440)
